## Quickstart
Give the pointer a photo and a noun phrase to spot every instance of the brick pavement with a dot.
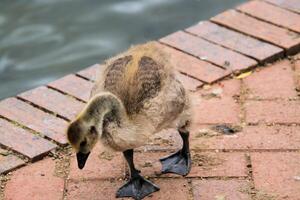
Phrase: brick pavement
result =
(258, 160)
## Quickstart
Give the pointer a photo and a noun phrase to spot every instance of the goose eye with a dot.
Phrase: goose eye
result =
(82, 144)
(93, 130)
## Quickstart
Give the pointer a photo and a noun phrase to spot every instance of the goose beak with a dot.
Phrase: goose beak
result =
(81, 159)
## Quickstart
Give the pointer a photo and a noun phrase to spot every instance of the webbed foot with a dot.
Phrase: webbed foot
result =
(178, 163)
(137, 188)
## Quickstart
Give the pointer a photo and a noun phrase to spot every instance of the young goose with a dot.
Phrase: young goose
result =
(136, 95)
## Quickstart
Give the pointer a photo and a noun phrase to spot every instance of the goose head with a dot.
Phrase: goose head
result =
(83, 136)
(84, 132)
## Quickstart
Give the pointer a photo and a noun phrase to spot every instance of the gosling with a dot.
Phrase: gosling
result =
(136, 95)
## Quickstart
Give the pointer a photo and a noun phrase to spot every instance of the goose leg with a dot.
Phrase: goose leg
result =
(137, 187)
(179, 162)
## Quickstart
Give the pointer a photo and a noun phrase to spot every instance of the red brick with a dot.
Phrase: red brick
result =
(175, 189)
(215, 110)
(188, 82)
(277, 174)
(264, 52)
(281, 37)
(273, 14)
(220, 189)
(275, 81)
(203, 164)
(54, 101)
(222, 108)
(98, 166)
(273, 111)
(205, 50)
(293, 5)
(93, 189)
(35, 182)
(73, 85)
(9, 162)
(34, 119)
(219, 165)
(251, 137)
(194, 67)
(90, 72)
(23, 141)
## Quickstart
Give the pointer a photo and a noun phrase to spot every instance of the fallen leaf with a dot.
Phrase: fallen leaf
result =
(243, 75)
(203, 58)
(220, 197)
(4, 153)
(206, 87)
(297, 178)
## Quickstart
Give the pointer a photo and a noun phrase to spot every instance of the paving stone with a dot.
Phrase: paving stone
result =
(23, 141)
(251, 137)
(273, 14)
(273, 111)
(194, 67)
(34, 119)
(175, 189)
(220, 189)
(90, 72)
(35, 182)
(219, 165)
(216, 110)
(188, 82)
(217, 104)
(262, 51)
(93, 189)
(98, 166)
(54, 101)
(74, 85)
(293, 5)
(275, 81)
(262, 30)
(9, 162)
(277, 174)
(203, 164)
(208, 51)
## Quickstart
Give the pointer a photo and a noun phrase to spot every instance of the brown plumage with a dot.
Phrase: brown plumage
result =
(142, 82)
(134, 84)
(136, 95)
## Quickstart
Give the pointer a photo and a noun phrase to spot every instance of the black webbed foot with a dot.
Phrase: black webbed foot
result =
(178, 163)
(137, 188)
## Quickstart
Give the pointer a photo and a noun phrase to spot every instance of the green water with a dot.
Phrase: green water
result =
(42, 40)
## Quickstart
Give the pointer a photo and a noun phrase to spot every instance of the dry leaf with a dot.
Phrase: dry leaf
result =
(220, 197)
(297, 178)
(243, 75)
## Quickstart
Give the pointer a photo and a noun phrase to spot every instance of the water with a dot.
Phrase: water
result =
(42, 40)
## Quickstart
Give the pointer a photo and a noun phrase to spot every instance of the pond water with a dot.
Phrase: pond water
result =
(42, 40)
